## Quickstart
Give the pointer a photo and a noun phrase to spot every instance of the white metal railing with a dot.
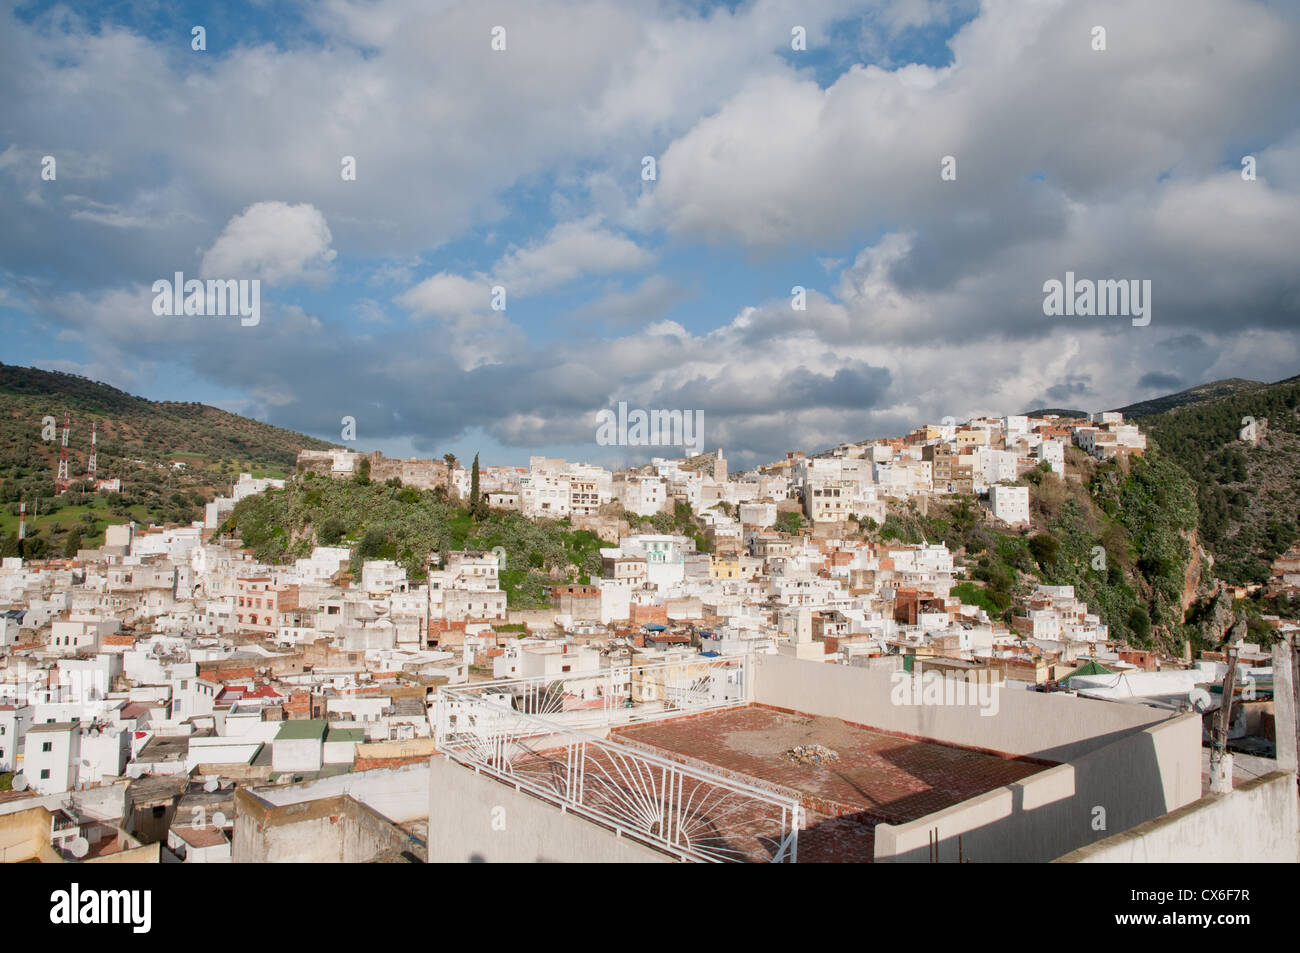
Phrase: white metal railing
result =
(529, 734)
(617, 695)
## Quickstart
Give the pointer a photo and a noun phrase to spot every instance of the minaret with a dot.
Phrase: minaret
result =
(61, 481)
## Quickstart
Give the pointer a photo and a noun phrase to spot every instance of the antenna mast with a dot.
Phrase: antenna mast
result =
(61, 481)
(92, 463)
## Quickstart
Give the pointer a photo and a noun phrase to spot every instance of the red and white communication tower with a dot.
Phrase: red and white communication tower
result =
(61, 481)
(92, 463)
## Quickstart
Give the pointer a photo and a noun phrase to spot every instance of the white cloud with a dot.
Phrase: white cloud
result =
(572, 250)
(785, 161)
(1120, 164)
(274, 241)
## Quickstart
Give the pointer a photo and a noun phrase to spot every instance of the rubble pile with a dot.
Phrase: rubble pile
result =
(811, 754)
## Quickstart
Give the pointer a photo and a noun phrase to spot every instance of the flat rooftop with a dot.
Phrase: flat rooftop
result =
(878, 777)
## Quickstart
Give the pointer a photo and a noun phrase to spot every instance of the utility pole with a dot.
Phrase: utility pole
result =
(1220, 760)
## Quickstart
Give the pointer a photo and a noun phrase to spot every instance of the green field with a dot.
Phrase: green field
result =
(68, 517)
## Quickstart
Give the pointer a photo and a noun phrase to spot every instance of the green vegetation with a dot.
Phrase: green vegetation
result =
(681, 521)
(789, 522)
(1248, 495)
(138, 442)
(1121, 539)
(972, 596)
(407, 525)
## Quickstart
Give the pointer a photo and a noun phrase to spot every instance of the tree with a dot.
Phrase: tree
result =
(1139, 620)
(73, 543)
(451, 461)
(33, 547)
(363, 472)
(374, 543)
(788, 523)
(1044, 548)
(473, 487)
(331, 531)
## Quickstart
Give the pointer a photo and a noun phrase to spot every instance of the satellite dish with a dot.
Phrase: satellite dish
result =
(219, 819)
(19, 782)
(1200, 700)
(212, 784)
(78, 846)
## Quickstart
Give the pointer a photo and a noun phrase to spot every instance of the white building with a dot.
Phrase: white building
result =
(1009, 503)
(51, 756)
(644, 496)
(1052, 452)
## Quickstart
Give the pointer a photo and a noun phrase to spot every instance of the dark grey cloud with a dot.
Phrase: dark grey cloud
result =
(1161, 380)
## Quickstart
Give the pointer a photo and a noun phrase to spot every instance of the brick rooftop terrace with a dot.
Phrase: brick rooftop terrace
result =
(879, 777)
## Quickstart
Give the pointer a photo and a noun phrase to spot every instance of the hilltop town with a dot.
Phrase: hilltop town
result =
(166, 684)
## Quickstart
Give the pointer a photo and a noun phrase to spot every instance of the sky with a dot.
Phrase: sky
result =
(920, 169)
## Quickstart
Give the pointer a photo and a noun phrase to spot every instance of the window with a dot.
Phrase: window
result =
(47, 746)
(45, 774)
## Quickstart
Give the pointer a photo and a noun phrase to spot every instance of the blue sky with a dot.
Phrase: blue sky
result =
(522, 167)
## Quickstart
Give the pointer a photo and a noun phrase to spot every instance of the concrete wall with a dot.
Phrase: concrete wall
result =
(145, 854)
(296, 754)
(25, 835)
(1027, 724)
(1130, 781)
(473, 817)
(105, 803)
(1255, 823)
(400, 794)
(334, 829)
(533, 618)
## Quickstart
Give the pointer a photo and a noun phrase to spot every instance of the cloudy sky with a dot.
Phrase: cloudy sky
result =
(525, 168)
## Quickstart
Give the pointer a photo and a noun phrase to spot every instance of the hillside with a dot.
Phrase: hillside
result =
(1054, 411)
(139, 440)
(133, 427)
(1230, 387)
(1248, 493)
(389, 521)
(1123, 534)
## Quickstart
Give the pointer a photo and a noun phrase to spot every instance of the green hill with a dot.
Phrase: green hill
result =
(1248, 493)
(1230, 387)
(1121, 534)
(139, 440)
(389, 521)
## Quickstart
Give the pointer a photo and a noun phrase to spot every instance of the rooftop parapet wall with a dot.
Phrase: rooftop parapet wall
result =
(1027, 724)
(400, 794)
(337, 829)
(475, 818)
(1129, 781)
(1255, 823)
